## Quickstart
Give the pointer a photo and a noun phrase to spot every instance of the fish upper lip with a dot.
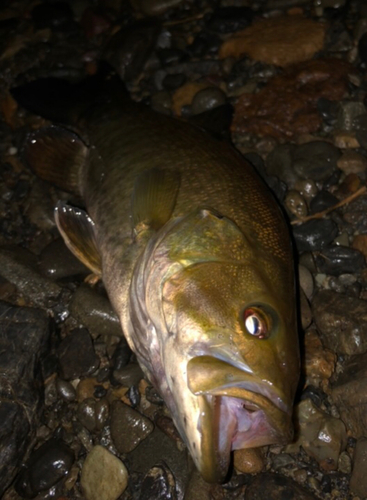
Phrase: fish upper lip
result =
(247, 382)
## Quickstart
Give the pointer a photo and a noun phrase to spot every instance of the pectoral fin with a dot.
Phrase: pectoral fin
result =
(56, 155)
(154, 198)
(77, 229)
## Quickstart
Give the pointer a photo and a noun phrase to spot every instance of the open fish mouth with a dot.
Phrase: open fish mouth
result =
(242, 413)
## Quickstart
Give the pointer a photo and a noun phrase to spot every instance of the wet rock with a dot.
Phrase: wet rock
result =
(322, 201)
(122, 355)
(158, 484)
(322, 436)
(315, 160)
(348, 110)
(349, 393)
(295, 203)
(276, 487)
(344, 463)
(57, 262)
(47, 465)
(86, 413)
(76, 355)
(230, 19)
(248, 461)
(352, 162)
(272, 41)
(358, 481)
(65, 390)
(128, 375)
(23, 339)
(314, 234)
(85, 389)
(329, 110)
(319, 362)
(337, 260)
(341, 321)
(128, 427)
(103, 475)
(306, 280)
(287, 105)
(184, 95)
(17, 268)
(207, 99)
(95, 312)
(102, 412)
(150, 452)
(344, 139)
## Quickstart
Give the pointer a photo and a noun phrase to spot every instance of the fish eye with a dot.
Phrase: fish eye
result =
(256, 322)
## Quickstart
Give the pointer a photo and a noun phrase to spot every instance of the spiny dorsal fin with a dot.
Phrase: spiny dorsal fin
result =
(154, 198)
(77, 229)
(56, 155)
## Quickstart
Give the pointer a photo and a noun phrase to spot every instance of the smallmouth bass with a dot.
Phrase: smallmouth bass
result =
(196, 259)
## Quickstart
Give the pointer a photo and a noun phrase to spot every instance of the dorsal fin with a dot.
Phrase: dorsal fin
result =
(56, 155)
(154, 198)
(77, 229)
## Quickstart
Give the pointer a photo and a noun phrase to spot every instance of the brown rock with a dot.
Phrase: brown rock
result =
(352, 162)
(358, 481)
(248, 461)
(287, 106)
(319, 361)
(273, 41)
(360, 243)
(343, 139)
(350, 395)
(185, 94)
(85, 388)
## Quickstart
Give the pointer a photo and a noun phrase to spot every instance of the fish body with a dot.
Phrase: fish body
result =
(196, 258)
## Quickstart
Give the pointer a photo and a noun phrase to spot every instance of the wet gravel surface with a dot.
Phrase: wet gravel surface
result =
(285, 80)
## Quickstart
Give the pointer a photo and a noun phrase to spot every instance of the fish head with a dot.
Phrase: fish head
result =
(230, 353)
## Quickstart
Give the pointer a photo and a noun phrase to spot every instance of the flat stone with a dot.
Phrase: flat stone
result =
(349, 393)
(316, 160)
(24, 334)
(128, 427)
(272, 41)
(103, 475)
(341, 321)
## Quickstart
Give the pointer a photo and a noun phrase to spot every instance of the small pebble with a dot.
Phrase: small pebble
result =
(248, 461)
(207, 99)
(103, 475)
(296, 204)
(76, 355)
(86, 413)
(358, 482)
(336, 260)
(345, 463)
(306, 281)
(66, 390)
(352, 162)
(129, 375)
(315, 234)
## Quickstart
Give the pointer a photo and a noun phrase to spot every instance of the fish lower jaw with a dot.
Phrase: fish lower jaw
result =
(237, 424)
